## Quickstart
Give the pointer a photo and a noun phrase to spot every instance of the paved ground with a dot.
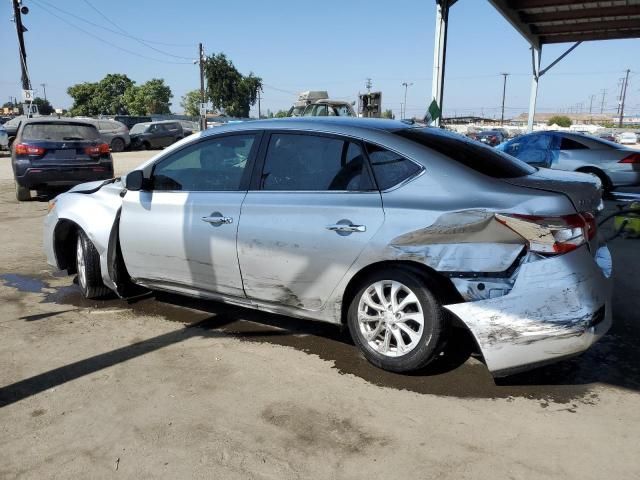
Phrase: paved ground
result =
(171, 388)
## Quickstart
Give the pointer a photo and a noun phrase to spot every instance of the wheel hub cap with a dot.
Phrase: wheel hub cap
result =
(390, 318)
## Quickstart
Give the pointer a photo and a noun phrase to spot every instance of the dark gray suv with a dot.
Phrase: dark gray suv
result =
(155, 134)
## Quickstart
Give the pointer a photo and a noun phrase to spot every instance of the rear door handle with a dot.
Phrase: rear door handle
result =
(217, 219)
(342, 227)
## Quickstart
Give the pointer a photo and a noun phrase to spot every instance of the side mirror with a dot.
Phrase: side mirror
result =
(135, 181)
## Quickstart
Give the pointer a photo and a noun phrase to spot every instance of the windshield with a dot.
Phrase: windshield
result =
(59, 132)
(471, 154)
(138, 128)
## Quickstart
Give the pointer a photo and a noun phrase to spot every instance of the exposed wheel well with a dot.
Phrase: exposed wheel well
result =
(65, 236)
(441, 286)
(606, 181)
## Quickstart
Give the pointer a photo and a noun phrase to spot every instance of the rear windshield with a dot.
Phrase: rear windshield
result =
(471, 154)
(59, 132)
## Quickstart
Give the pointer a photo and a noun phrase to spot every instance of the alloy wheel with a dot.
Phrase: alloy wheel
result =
(390, 318)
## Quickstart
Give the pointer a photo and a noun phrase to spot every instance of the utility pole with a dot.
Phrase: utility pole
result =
(624, 95)
(20, 29)
(504, 91)
(259, 111)
(591, 97)
(203, 115)
(44, 90)
(604, 93)
(406, 86)
(368, 85)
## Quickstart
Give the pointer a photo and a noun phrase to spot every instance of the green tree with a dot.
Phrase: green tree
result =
(152, 97)
(228, 89)
(191, 103)
(105, 97)
(388, 114)
(44, 107)
(282, 114)
(560, 120)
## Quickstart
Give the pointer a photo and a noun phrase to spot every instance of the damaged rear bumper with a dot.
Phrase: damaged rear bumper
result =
(558, 308)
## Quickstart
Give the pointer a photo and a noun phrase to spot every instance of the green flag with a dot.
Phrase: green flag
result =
(433, 112)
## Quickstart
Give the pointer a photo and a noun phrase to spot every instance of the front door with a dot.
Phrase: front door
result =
(314, 212)
(182, 233)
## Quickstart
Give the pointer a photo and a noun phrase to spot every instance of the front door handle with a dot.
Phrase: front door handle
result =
(217, 219)
(345, 227)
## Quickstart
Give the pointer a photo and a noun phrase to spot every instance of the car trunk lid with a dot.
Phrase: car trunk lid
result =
(583, 190)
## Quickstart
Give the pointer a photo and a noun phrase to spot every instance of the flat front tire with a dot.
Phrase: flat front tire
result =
(396, 321)
(88, 266)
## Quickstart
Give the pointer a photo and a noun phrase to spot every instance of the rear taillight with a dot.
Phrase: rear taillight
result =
(97, 149)
(22, 149)
(633, 158)
(552, 235)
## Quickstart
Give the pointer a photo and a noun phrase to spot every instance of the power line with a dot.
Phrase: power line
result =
(125, 33)
(107, 41)
(42, 3)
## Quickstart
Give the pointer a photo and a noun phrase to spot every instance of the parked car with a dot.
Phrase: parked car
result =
(490, 137)
(607, 136)
(11, 127)
(627, 138)
(393, 229)
(49, 152)
(189, 127)
(4, 139)
(113, 133)
(131, 120)
(613, 164)
(155, 134)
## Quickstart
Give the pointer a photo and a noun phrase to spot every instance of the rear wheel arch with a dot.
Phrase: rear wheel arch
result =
(441, 286)
(607, 185)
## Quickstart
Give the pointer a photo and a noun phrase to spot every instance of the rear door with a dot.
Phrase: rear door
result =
(313, 210)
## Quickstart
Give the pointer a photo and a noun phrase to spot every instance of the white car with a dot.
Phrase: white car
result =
(4, 139)
(627, 138)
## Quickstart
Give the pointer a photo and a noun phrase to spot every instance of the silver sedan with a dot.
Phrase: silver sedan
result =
(614, 164)
(398, 231)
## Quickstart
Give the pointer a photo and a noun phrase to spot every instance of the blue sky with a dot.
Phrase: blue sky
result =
(300, 45)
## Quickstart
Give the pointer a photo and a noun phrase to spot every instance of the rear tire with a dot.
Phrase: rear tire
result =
(88, 267)
(117, 145)
(404, 330)
(23, 194)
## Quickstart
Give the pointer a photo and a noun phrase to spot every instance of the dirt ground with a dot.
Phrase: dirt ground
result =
(167, 387)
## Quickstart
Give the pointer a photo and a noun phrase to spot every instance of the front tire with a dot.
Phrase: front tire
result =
(396, 321)
(23, 194)
(88, 266)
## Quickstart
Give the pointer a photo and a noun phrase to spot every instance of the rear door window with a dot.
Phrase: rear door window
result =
(301, 162)
(569, 144)
(390, 168)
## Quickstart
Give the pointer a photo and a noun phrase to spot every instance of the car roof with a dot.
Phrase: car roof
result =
(332, 124)
(76, 121)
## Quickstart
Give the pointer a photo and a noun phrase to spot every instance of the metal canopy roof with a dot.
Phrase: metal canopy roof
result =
(558, 21)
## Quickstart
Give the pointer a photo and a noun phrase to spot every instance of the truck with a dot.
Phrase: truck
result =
(316, 103)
